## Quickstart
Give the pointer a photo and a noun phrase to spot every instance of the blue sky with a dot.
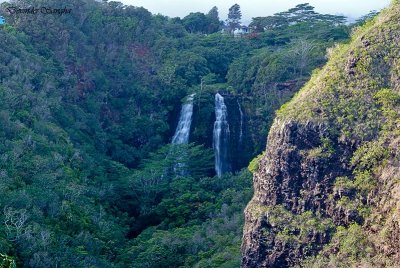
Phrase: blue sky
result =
(255, 8)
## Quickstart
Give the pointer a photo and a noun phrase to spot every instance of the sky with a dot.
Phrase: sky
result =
(258, 8)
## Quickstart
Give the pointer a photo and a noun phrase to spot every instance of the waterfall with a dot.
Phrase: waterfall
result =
(181, 135)
(221, 136)
(241, 123)
(182, 131)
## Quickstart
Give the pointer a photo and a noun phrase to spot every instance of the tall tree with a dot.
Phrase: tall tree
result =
(261, 24)
(213, 18)
(195, 22)
(303, 13)
(234, 17)
(300, 55)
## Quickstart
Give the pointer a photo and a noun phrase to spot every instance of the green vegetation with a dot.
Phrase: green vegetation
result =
(253, 166)
(88, 104)
(356, 96)
(292, 230)
(202, 225)
(6, 261)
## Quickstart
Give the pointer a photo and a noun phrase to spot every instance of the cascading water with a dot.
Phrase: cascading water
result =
(181, 135)
(241, 123)
(182, 131)
(221, 136)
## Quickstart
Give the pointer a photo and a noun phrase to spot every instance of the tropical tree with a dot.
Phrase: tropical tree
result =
(234, 17)
(195, 22)
(213, 20)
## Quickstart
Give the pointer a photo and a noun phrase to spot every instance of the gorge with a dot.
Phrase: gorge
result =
(127, 138)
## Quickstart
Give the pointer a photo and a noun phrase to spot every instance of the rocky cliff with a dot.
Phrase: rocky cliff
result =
(327, 189)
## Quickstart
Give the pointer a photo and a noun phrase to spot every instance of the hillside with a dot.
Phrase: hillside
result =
(125, 136)
(327, 187)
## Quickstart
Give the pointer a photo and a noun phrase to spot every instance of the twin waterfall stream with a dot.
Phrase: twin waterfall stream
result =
(182, 131)
(221, 132)
(221, 135)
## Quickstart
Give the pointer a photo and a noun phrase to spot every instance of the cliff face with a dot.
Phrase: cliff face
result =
(327, 189)
(291, 182)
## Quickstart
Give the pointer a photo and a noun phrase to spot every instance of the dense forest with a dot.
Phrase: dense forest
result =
(89, 104)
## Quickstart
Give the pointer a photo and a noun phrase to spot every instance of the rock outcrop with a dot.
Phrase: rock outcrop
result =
(327, 189)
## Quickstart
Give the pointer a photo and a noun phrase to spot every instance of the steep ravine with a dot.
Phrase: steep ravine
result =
(327, 188)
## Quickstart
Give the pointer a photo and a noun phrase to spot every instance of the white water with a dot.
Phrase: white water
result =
(182, 131)
(221, 136)
(241, 123)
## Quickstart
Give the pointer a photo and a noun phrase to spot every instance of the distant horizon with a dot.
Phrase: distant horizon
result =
(255, 8)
